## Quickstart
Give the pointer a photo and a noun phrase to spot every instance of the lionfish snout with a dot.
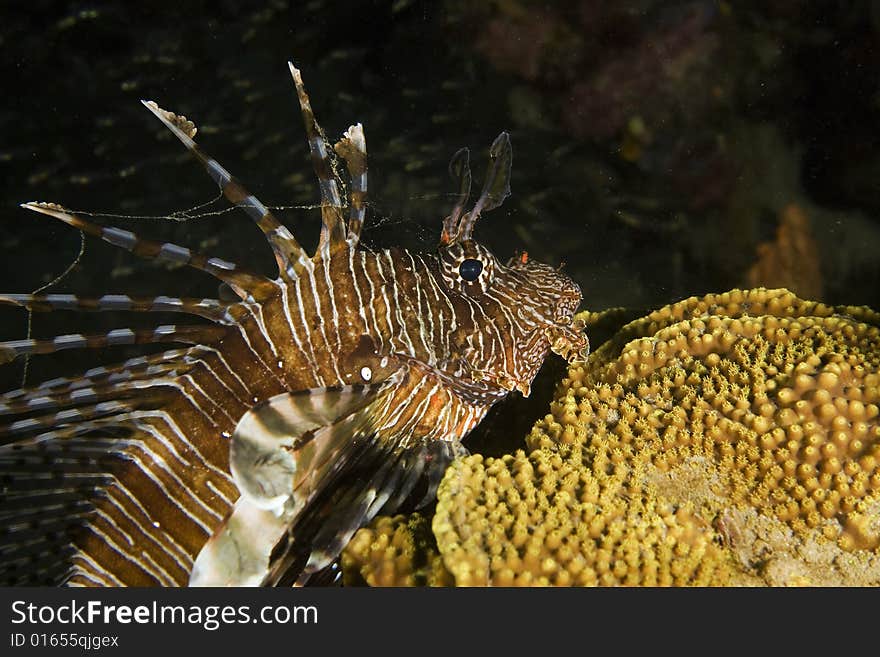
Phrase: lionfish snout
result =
(569, 341)
(568, 337)
(560, 297)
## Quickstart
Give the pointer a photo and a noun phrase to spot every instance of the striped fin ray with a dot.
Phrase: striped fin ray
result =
(71, 485)
(102, 394)
(154, 365)
(284, 452)
(167, 333)
(496, 187)
(42, 500)
(332, 226)
(352, 148)
(378, 473)
(212, 309)
(47, 410)
(287, 250)
(244, 283)
(121, 415)
(85, 466)
(442, 454)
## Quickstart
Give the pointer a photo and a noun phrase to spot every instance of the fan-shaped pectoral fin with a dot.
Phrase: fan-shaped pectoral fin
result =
(282, 453)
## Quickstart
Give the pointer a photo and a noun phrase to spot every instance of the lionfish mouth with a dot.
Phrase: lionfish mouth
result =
(569, 341)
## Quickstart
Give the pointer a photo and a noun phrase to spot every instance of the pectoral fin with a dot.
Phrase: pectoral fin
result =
(281, 455)
(238, 552)
(288, 440)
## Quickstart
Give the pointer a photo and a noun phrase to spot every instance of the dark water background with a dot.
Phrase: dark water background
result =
(661, 149)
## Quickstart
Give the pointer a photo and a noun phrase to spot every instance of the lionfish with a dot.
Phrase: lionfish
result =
(339, 389)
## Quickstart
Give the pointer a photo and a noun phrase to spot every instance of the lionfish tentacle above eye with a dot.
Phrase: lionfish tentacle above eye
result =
(339, 390)
(496, 187)
(243, 282)
(332, 226)
(460, 171)
(287, 250)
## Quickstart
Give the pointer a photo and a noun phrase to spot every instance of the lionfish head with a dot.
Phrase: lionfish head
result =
(530, 305)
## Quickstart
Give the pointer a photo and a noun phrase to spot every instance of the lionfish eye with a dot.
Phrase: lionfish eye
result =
(470, 269)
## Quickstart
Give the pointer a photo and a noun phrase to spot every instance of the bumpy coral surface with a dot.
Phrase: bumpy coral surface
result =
(548, 518)
(759, 407)
(394, 551)
(728, 439)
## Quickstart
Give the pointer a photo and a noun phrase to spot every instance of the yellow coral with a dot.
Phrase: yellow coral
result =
(550, 518)
(778, 393)
(394, 551)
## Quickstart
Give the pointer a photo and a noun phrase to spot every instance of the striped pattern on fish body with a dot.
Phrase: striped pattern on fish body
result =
(299, 411)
